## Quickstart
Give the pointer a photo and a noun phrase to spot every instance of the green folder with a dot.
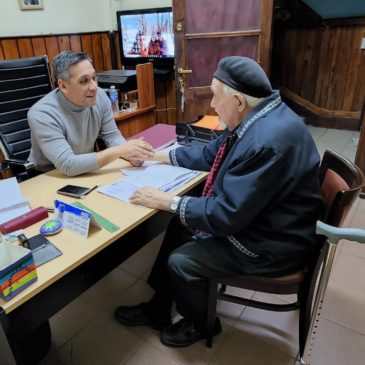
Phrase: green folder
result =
(109, 226)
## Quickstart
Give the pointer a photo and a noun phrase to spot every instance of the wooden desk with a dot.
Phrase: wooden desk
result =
(84, 261)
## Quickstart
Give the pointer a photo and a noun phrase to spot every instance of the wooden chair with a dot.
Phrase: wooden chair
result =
(22, 83)
(341, 182)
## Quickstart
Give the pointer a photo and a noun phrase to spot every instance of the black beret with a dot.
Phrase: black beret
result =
(244, 75)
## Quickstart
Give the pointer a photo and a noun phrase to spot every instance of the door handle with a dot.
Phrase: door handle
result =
(181, 70)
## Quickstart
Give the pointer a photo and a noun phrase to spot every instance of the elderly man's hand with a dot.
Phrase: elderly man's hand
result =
(136, 151)
(151, 198)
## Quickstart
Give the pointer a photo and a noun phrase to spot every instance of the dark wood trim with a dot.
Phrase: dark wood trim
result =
(322, 120)
(343, 22)
(52, 35)
(242, 33)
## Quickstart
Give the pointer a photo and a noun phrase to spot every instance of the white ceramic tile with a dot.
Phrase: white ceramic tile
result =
(150, 355)
(241, 347)
(104, 342)
(344, 305)
(337, 345)
(277, 329)
(68, 321)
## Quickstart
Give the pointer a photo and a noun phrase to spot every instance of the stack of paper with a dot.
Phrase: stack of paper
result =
(161, 176)
(12, 203)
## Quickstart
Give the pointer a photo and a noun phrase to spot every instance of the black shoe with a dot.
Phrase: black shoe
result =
(135, 316)
(183, 333)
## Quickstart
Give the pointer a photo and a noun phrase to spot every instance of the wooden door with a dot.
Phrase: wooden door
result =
(208, 30)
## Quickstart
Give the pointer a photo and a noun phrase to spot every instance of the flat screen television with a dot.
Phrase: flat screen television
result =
(146, 35)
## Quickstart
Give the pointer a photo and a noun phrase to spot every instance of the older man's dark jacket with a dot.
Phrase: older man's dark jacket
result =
(266, 196)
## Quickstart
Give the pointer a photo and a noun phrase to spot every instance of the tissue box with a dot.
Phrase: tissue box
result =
(17, 269)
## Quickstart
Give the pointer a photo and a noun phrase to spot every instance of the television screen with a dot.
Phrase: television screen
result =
(146, 35)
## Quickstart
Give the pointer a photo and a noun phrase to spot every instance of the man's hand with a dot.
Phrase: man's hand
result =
(151, 198)
(136, 151)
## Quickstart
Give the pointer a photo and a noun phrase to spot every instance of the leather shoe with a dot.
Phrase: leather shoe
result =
(136, 316)
(183, 333)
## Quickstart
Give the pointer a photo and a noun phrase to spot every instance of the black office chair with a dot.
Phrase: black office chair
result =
(341, 182)
(22, 83)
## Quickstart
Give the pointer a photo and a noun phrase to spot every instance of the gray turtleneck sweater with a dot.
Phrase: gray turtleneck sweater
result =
(63, 134)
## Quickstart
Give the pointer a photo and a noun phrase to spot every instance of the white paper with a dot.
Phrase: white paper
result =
(12, 203)
(161, 176)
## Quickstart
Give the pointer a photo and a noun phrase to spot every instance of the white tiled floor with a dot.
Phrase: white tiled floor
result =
(85, 333)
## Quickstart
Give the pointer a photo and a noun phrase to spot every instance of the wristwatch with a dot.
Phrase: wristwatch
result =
(174, 203)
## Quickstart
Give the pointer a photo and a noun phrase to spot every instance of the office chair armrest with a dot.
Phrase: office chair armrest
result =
(26, 164)
(336, 234)
(21, 169)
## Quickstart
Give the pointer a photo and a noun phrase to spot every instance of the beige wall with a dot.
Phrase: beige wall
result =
(66, 16)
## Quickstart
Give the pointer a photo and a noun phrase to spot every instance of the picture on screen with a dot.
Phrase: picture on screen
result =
(147, 35)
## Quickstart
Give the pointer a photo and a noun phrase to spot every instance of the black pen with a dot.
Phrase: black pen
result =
(89, 191)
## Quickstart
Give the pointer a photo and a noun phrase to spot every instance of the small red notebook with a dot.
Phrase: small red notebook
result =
(24, 220)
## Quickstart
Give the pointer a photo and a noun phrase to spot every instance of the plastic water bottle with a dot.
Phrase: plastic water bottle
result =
(114, 99)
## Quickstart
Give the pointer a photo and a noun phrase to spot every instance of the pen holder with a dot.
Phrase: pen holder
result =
(17, 269)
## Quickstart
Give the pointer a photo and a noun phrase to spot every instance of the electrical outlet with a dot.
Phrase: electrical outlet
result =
(363, 43)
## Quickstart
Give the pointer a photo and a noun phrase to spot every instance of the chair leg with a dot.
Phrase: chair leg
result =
(211, 310)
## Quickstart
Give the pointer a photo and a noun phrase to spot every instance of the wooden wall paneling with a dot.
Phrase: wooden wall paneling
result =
(97, 52)
(25, 47)
(106, 51)
(86, 44)
(265, 38)
(323, 68)
(75, 43)
(165, 98)
(51, 47)
(52, 50)
(359, 77)
(1, 52)
(350, 81)
(161, 105)
(291, 53)
(298, 69)
(146, 85)
(339, 69)
(171, 99)
(64, 43)
(307, 88)
(360, 152)
(39, 47)
(10, 49)
(117, 50)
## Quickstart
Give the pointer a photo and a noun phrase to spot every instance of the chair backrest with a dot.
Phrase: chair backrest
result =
(22, 83)
(341, 182)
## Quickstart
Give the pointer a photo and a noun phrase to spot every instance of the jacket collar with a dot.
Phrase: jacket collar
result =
(258, 112)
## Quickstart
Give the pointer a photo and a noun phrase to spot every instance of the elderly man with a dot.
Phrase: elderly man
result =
(257, 212)
(67, 121)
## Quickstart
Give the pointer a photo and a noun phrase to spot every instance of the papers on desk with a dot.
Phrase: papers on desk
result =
(12, 203)
(164, 177)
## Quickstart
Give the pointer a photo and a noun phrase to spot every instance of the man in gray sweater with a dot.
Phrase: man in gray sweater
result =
(67, 121)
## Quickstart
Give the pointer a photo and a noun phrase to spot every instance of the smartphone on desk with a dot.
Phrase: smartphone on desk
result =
(73, 190)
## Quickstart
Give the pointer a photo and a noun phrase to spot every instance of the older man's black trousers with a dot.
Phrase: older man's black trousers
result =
(182, 271)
